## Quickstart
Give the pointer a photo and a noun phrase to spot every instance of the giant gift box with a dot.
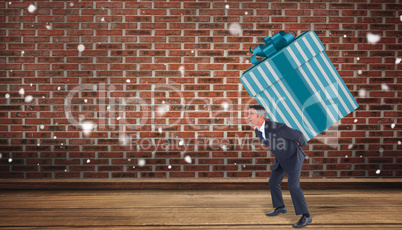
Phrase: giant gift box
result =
(297, 84)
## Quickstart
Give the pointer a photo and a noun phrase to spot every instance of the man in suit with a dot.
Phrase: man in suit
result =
(284, 143)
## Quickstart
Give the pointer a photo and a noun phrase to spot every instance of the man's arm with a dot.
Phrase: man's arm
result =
(291, 134)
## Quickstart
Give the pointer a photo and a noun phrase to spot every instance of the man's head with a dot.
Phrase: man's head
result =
(256, 115)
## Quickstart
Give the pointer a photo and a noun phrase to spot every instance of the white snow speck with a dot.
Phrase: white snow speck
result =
(31, 8)
(54, 137)
(28, 98)
(38, 144)
(392, 125)
(102, 19)
(128, 80)
(88, 161)
(163, 102)
(10, 160)
(224, 147)
(384, 87)
(227, 6)
(381, 150)
(398, 60)
(133, 167)
(118, 118)
(22, 91)
(187, 159)
(359, 72)
(81, 47)
(344, 36)
(362, 93)
(234, 28)
(65, 170)
(22, 52)
(71, 4)
(169, 167)
(61, 143)
(192, 51)
(160, 129)
(141, 162)
(378, 171)
(358, 58)
(355, 120)
(7, 95)
(58, 88)
(225, 105)
(10, 4)
(85, 100)
(162, 110)
(181, 69)
(373, 38)
(181, 142)
(399, 142)
(400, 17)
(48, 27)
(31, 84)
(129, 159)
(87, 127)
(1, 155)
(42, 127)
(346, 156)
(361, 156)
(247, 61)
(246, 13)
(350, 146)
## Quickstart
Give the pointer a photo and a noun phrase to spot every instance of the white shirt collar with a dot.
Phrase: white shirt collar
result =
(262, 128)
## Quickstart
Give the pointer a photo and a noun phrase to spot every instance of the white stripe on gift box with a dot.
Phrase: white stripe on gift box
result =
(256, 81)
(309, 46)
(271, 70)
(266, 107)
(249, 86)
(300, 49)
(319, 83)
(293, 56)
(317, 43)
(264, 75)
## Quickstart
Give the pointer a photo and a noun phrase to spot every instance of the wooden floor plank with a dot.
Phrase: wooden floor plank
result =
(195, 209)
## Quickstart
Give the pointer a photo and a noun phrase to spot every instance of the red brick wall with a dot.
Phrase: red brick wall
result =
(180, 56)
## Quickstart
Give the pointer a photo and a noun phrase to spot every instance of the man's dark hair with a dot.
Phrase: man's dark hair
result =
(259, 109)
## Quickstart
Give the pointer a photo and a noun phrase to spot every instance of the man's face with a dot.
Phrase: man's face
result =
(252, 117)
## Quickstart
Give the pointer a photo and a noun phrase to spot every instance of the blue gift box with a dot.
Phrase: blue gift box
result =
(297, 84)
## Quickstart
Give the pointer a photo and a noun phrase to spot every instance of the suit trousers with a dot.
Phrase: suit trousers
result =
(296, 192)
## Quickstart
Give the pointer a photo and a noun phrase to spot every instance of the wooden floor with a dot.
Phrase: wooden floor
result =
(195, 209)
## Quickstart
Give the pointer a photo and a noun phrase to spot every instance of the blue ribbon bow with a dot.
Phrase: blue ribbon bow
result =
(272, 45)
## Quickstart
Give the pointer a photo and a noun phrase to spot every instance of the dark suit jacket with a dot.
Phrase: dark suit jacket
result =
(281, 140)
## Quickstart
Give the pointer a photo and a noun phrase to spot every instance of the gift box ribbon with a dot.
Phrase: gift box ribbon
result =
(272, 45)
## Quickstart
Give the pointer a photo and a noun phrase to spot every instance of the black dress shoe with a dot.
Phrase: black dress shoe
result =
(277, 211)
(303, 222)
